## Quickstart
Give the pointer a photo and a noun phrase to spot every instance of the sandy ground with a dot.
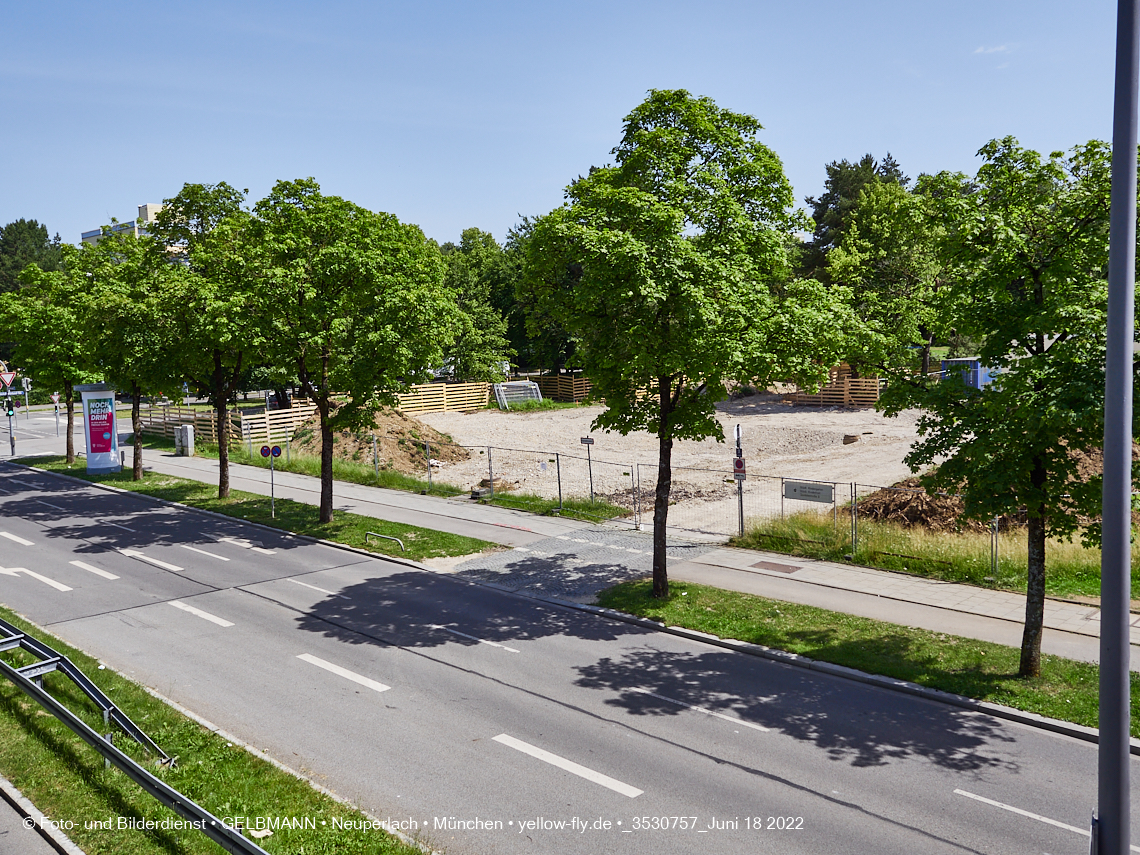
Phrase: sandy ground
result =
(778, 440)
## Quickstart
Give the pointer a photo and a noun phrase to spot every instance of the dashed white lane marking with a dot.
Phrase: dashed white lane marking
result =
(116, 525)
(472, 637)
(315, 588)
(569, 766)
(203, 552)
(24, 484)
(343, 672)
(14, 571)
(178, 604)
(94, 570)
(245, 544)
(132, 553)
(1084, 832)
(700, 709)
(16, 538)
(50, 505)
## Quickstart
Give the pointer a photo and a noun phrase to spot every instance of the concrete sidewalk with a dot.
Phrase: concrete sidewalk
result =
(575, 559)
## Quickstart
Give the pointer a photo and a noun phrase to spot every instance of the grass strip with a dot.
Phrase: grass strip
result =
(291, 516)
(1066, 690)
(66, 779)
(361, 473)
(1071, 569)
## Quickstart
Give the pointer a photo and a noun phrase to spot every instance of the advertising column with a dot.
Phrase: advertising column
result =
(99, 428)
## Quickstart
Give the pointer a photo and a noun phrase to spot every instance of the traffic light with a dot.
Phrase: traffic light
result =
(10, 405)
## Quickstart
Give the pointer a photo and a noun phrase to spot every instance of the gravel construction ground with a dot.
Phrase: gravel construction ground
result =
(797, 442)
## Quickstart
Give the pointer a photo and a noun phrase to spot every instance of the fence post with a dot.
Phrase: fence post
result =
(854, 518)
(375, 457)
(994, 550)
(637, 500)
(558, 469)
(781, 498)
(490, 473)
(590, 464)
(427, 454)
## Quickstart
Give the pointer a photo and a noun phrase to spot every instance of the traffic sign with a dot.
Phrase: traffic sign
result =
(265, 451)
(55, 397)
(6, 377)
(738, 469)
(276, 451)
(587, 440)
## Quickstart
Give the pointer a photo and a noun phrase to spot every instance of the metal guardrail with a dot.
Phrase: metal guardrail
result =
(50, 661)
(29, 680)
(369, 534)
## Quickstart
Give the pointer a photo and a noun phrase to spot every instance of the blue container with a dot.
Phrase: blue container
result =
(973, 372)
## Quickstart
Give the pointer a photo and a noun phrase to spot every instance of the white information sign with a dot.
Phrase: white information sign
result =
(99, 428)
(809, 491)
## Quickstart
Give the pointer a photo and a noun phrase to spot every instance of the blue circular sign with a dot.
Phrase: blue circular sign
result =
(277, 451)
(265, 451)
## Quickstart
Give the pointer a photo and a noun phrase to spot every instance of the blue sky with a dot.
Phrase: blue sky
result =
(452, 115)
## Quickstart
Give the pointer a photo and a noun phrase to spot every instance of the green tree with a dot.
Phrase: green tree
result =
(831, 210)
(128, 308)
(25, 242)
(472, 270)
(204, 229)
(1030, 248)
(662, 268)
(353, 302)
(890, 259)
(50, 341)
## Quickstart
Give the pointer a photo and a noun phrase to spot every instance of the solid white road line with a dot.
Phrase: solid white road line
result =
(24, 484)
(1084, 832)
(50, 505)
(16, 538)
(94, 570)
(759, 727)
(203, 552)
(344, 672)
(14, 571)
(116, 525)
(568, 765)
(472, 637)
(132, 553)
(178, 604)
(315, 588)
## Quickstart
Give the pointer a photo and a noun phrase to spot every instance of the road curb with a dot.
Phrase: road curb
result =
(1065, 728)
(55, 838)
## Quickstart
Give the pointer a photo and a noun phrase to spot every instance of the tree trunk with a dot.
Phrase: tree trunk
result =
(1035, 588)
(664, 485)
(221, 399)
(136, 426)
(69, 398)
(927, 344)
(326, 463)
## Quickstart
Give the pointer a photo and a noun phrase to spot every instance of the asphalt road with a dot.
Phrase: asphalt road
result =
(442, 703)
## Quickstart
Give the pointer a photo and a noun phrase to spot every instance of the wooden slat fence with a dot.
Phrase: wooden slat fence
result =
(442, 397)
(564, 387)
(841, 390)
(244, 427)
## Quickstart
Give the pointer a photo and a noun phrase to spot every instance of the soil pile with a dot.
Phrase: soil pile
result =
(399, 443)
(679, 492)
(909, 505)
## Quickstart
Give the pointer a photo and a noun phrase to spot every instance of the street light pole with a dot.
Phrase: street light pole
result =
(1111, 832)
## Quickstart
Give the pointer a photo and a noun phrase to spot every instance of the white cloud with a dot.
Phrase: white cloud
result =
(998, 49)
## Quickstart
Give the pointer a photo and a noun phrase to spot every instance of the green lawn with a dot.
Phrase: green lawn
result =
(1071, 570)
(1066, 690)
(291, 516)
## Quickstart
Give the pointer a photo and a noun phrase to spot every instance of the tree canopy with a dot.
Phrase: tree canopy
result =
(1028, 242)
(662, 268)
(25, 242)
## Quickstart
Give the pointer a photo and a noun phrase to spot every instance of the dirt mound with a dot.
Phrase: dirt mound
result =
(909, 505)
(399, 443)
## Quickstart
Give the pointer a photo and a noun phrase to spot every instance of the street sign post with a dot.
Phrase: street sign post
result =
(55, 400)
(272, 453)
(588, 441)
(739, 473)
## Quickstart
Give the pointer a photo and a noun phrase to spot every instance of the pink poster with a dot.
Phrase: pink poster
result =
(101, 426)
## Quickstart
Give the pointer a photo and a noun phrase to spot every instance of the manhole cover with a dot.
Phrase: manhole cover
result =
(776, 568)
